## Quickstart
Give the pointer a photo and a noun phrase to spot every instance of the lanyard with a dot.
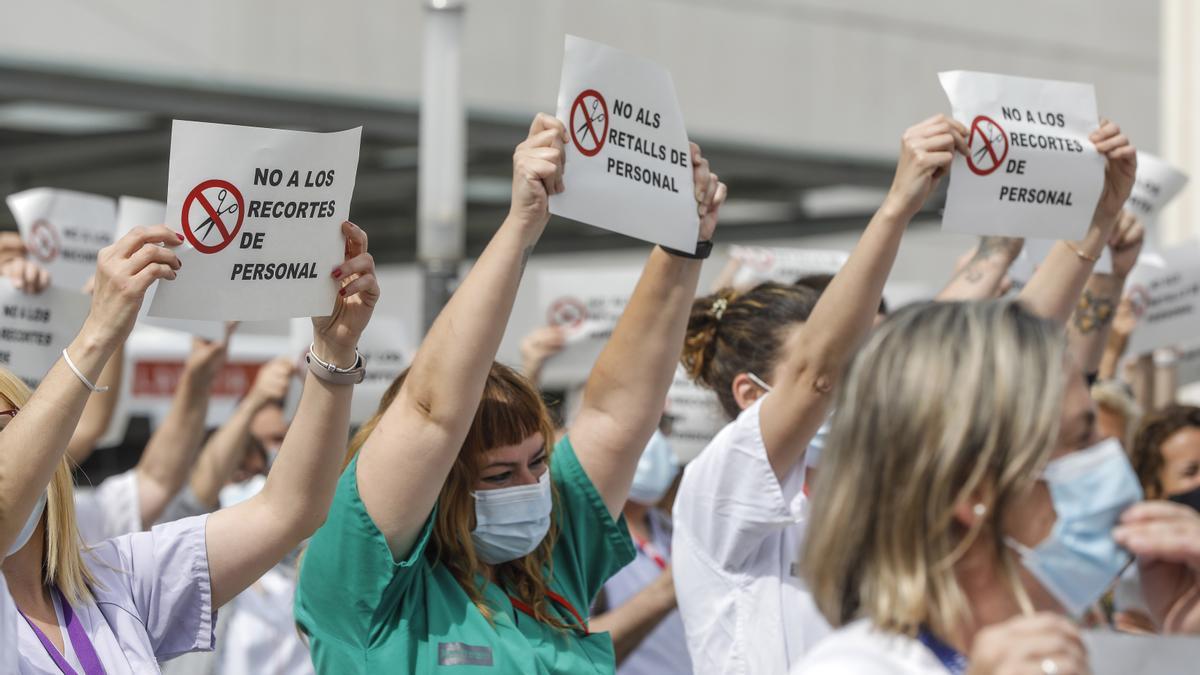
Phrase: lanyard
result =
(558, 599)
(650, 551)
(954, 662)
(79, 641)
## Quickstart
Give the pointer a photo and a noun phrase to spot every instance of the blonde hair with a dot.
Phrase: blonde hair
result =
(511, 411)
(62, 558)
(946, 402)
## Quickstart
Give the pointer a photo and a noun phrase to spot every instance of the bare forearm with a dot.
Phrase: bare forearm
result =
(982, 276)
(816, 356)
(1089, 327)
(1054, 289)
(1114, 349)
(98, 412)
(171, 451)
(633, 621)
(33, 443)
(455, 356)
(625, 392)
(221, 455)
(632, 374)
(246, 540)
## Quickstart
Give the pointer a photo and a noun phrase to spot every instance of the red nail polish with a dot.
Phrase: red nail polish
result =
(341, 291)
(179, 235)
(337, 273)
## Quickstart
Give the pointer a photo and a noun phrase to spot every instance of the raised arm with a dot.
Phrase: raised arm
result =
(1089, 327)
(631, 623)
(246, 540)
(98, 413)
(33, 443)
(536, 348)
(225, 449)
(1054, 289)
(983, 275)
(405, 461)
(171, 451)
(29, 277)
(1123, 323)
(816, 355)
(627, 388)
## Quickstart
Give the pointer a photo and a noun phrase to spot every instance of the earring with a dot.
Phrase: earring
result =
(980, 510)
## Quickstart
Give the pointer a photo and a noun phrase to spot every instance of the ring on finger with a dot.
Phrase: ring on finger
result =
(1049, 667)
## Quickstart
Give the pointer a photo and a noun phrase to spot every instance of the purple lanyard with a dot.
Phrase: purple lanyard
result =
(79, 641)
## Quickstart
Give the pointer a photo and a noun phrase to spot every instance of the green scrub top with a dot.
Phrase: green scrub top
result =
(366, 612)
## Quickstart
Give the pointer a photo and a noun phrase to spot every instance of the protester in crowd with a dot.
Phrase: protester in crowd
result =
(133, 500)
(739, 513)
(637, 606)
(983, 441)
(125, 603)
(460, 535)
(255, 631)
(1166, 455)
(982, 452)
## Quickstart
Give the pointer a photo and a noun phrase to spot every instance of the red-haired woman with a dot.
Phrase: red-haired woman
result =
(460, 533)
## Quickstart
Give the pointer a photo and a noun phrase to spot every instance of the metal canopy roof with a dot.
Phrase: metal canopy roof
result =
(109, 134)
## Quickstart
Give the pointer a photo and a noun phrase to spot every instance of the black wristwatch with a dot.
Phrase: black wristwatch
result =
(703, 250)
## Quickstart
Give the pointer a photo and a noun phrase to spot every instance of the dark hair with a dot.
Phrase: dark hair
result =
(819, 282)
(730, 333)
(1146, 456)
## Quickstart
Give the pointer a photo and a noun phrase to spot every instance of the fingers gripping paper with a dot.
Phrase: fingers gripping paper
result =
(137, 212)
(261, 210)
(1030, 169)
(628, 164)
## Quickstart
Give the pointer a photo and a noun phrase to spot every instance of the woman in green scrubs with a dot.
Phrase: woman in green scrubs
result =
(462, 538)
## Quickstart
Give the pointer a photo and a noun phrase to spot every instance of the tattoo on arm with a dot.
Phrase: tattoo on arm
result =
(1094, 312)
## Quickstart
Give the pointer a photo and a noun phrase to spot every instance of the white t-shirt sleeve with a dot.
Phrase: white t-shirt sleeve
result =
(730, 499)
(110, 509)
(861, 649)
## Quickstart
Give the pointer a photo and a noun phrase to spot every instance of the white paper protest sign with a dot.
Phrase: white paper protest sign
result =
(1112, 653)
(37, 327)
(1165, 293)
(261, 210)
(137, 212)
(64, 230)
(586, 306)
(628, 163)
(1031, 170)
(783, 265)
(1155, 185)
(386, 348)
(696, 416)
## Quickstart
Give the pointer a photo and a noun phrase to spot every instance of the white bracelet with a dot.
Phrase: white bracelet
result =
(84, 380)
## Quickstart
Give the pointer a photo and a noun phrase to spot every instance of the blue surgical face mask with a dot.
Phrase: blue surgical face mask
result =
(511, 522)
(656, 470)
(1079, 560)
(31, 524)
